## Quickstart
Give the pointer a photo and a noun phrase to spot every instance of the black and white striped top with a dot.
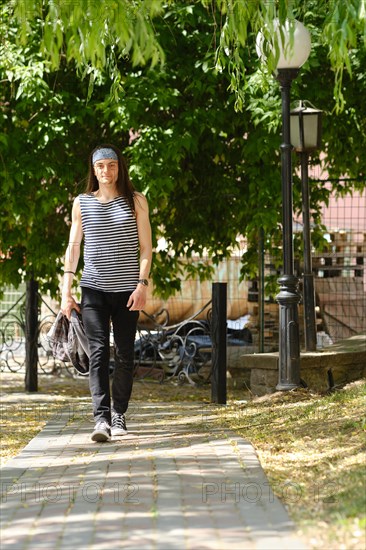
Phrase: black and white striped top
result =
(110, 245)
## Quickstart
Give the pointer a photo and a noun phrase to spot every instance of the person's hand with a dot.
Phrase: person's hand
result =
(137, 300)
(67, 305)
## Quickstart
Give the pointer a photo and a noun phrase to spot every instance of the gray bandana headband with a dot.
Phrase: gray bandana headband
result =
(106, 153)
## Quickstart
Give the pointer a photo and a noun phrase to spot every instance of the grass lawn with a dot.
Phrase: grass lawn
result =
(311, 446)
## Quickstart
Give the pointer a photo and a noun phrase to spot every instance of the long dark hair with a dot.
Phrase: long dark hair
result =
(125, 187)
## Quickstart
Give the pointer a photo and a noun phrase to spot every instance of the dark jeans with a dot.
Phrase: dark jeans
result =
(98, 310)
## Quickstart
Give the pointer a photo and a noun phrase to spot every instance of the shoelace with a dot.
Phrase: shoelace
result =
(119, 421)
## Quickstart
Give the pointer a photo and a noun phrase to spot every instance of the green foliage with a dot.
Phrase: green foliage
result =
(210, 173)
(92, 33)
(339, 24)
(47, 129)
(100, 34)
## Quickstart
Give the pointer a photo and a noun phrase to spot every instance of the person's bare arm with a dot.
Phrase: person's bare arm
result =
(72, 256)
(137, 299)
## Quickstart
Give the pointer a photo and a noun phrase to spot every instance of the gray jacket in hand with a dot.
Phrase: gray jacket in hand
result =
(68, 341)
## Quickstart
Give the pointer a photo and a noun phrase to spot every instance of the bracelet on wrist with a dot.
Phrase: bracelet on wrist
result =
(73, 272)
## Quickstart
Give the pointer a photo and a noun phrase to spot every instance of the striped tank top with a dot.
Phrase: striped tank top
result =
(111, 245)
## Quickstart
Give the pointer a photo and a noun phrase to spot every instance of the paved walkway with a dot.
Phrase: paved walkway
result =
(175, 482)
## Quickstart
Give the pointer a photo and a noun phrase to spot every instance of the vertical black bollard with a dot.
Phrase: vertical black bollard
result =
(31, 336)
(218, 337)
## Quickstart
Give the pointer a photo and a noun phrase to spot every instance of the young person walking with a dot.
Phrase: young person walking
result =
(113, 218)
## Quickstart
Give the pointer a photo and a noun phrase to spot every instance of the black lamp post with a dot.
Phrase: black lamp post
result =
(306, 137)
(294, 49)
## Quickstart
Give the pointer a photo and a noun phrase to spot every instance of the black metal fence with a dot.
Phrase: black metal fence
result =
(13, 336)
(162, 350)
(183, 351)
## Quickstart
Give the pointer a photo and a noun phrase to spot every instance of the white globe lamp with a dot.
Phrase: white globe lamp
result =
(293, 42)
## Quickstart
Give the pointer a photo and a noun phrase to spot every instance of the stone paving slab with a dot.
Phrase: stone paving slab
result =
(175, 482)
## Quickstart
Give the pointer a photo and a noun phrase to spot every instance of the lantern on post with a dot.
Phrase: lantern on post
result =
(306, 128)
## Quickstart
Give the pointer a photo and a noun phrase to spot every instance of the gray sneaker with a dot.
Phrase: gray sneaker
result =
(118, 424)
(102, 432)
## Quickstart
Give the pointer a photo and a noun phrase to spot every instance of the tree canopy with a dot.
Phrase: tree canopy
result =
(164, 81)
(96, 35)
